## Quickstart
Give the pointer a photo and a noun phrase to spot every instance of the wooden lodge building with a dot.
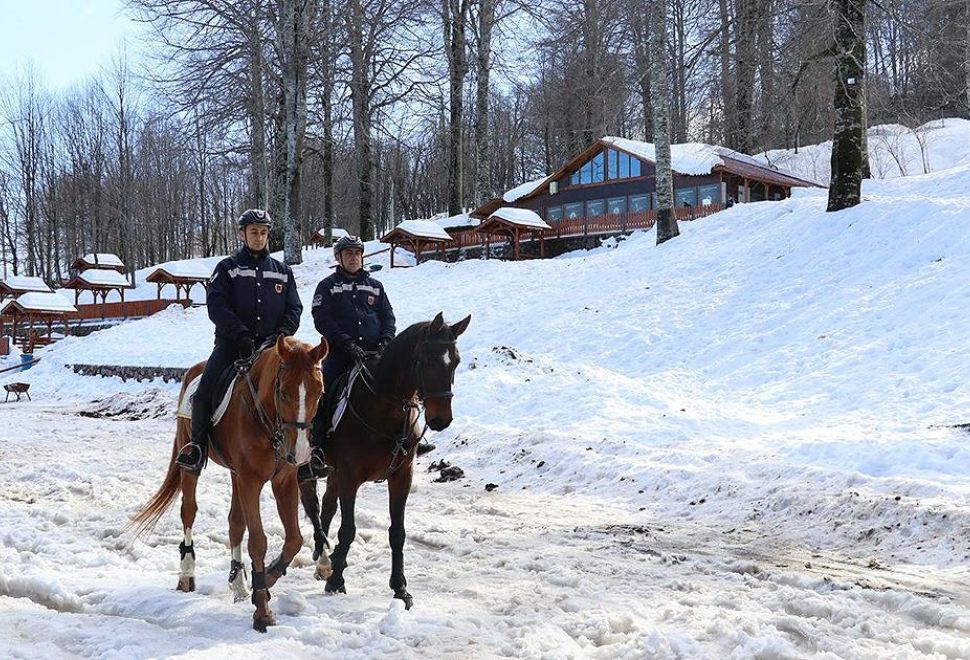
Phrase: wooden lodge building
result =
(610, 189)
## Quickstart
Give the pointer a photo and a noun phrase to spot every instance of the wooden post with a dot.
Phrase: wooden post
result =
(393, 247)
(124, 305)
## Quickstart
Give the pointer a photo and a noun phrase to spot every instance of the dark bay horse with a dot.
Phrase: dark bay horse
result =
(376, 439)
(268, 420)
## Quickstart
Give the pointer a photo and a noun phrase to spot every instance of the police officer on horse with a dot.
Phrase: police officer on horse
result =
(251, 299)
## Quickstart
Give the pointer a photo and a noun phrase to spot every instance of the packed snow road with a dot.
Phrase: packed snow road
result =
(507, 573)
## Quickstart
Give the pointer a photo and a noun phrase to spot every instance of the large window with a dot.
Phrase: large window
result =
(554, 213)
(596, 207)
(634, 167)
(624, 166)
(709, 194)
(617, 205)
(684, 196)
(574, 210)
(599, 170)
(586, 173)
(639, 203)
(574, 178)
(611, 170)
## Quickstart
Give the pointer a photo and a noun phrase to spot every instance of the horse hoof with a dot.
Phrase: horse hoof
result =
(261, 622)
(323, 572)
(334, 589)
(186, 584)
(406, 597)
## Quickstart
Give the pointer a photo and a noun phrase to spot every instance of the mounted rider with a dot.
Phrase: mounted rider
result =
(251, 299)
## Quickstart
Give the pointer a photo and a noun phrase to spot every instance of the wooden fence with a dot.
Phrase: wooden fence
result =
(130, 309)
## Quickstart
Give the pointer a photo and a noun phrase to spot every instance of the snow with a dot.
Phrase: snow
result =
(524, 189)
(25, 283)
(522, 217)
(894, 151)
(423, 229)
(455, 221)
(99, 277)
(336, 232)
(736, 444)
(102, 259)
(45, 302)
(190, 269)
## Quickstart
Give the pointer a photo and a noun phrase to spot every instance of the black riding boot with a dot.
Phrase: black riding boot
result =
(317, 467)
(193, 455)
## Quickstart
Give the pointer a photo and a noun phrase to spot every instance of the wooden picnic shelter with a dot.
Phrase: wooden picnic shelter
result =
(15, 285)
(100, 283)
(417, 236)
(319, 238)
(37, 309)
(182, 275)
(98, 261)
(512, 223)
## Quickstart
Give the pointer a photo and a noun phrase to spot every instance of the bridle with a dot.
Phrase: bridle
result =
(409, 405)
(274, 430)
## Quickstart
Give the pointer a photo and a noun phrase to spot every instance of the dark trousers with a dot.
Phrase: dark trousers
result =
(335, 366)
(223, 355)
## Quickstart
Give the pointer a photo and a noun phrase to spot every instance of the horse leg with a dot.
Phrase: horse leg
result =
(286, 490)
(237, 527)
(398, 488)
(311, 507)
(249, 499)
(324, 568)
(186, 549)
(345, 536)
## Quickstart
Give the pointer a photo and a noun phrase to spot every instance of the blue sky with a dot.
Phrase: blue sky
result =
(67, 40)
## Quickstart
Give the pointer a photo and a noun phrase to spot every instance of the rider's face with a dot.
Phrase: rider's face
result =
(255, 237)
(352, 259)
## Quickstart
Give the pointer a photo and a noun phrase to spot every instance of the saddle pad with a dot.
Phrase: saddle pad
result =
(185, 403)
(338, 410)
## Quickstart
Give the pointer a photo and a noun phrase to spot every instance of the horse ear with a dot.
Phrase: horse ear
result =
(282, 348)
(321, 351)
(438, 323)
(461, 326)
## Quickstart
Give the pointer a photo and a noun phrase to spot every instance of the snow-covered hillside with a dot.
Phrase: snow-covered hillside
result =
(736, 444)
(894, 151)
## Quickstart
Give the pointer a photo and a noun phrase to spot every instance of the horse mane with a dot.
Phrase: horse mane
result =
(268, 361)
(399, 356)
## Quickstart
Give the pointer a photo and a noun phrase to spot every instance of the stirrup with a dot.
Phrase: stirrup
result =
(315, 468)
(191, 458)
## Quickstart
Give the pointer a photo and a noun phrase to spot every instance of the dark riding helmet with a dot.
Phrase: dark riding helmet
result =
(347, 242)
(255, 217)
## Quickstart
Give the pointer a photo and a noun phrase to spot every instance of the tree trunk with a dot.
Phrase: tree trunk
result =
(454, 15)
(845, 187)
(666, 220)
(745, 63)
(360, 102)
(486, 20)
(327, 82)
(727, 84)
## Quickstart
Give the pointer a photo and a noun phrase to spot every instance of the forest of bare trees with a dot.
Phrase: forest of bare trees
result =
(362, 113)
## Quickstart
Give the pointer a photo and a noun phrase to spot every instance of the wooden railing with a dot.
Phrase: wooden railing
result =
(130, 309)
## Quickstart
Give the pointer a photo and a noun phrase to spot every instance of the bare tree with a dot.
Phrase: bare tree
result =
(845, 186)
(454, 22)
(666, 220)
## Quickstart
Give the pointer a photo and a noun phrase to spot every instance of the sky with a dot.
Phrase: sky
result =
(67, 40)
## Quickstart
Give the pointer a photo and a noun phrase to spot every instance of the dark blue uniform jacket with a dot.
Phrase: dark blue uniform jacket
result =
(353, 309)
(254, 295)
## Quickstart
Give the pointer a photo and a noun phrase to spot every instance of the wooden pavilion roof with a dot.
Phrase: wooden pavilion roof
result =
(18, 284)
(38, 304)
(417, 230)
(179, 274)
(98, 280)
(101, 261)
(512, 218)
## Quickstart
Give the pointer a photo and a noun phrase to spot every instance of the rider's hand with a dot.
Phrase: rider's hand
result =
(382, 346)
(245, 347)
(355, 352)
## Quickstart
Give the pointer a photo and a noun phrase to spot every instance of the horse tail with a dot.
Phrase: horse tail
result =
(146, 519)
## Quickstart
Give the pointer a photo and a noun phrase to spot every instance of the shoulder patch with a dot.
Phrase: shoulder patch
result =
(318, 300)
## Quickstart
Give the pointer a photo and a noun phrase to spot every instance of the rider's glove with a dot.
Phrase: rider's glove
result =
(355, 351)
(245, 347)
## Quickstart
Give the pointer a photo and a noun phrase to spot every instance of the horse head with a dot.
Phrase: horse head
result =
(298, 387)
(437, 359)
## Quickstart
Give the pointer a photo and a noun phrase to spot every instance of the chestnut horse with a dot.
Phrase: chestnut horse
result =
(263, 432)
(376, 439)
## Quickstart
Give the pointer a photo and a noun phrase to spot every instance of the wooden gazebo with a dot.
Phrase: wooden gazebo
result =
(417, 235)
(100, 261)
(181, 275)
(99, 283)
(513, 223)
(319, 238)
(32, 308)
(15, 285)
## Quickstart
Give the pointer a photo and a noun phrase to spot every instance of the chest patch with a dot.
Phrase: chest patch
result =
(279, 288)
(371, 300)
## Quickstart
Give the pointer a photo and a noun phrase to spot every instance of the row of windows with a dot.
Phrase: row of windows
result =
(611, 164)
(708, 194)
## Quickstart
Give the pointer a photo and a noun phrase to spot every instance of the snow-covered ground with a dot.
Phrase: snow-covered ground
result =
(894, 151)
(736, 444)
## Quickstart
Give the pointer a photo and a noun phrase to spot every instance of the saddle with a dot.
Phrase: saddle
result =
(334, 404)
(221, 394)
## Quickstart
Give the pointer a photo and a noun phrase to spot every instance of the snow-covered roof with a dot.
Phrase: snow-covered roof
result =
(99, 277)
(25, 283)
(103, 259)
(336, 232)
(524, 189)
(424, 229)
(522, 217)
(454, 221)
(36, 301)
(189, 269)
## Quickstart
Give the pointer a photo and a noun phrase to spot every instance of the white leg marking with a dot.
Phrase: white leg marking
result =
(238, 587)
(302, 441)
(187, 565)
